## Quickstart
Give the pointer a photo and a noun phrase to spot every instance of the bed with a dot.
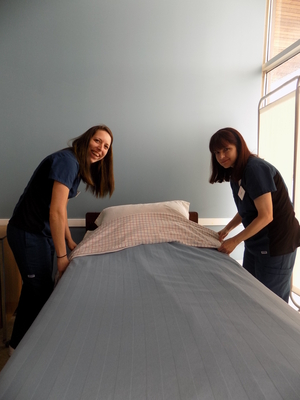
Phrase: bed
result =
(171, 318)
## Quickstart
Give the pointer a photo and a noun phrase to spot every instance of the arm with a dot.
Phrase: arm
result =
(58, 222)
(264, 208)
(70, 242)
(236, 220)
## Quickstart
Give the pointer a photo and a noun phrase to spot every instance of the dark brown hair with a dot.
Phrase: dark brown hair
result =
(98, 176)
(218, 141)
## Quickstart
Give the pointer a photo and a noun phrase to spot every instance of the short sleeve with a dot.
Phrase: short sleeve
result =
(64, 168)
(259, 178)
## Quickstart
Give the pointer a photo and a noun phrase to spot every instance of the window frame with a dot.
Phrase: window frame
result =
(282, 57)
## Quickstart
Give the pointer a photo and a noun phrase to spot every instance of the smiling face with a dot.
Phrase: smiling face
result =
(98, 146)
(226, 156)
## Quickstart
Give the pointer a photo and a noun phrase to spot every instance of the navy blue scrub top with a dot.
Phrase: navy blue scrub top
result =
(282, 234)
(32, 210)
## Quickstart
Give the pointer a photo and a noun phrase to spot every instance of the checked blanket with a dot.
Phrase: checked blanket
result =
(146, 228)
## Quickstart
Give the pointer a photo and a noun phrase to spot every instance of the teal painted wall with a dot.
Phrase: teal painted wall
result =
(163, 75)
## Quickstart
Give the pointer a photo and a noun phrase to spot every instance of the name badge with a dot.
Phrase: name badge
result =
(241, 193)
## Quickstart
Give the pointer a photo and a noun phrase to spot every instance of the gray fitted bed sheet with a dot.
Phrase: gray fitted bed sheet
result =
(161, 321)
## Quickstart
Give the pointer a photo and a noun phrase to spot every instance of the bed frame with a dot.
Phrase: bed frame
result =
(91, 216)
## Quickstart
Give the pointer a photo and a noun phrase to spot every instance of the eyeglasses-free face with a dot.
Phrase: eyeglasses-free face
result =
(98, 146)
(227, 156)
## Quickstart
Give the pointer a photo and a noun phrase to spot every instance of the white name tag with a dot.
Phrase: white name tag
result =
(241, 193)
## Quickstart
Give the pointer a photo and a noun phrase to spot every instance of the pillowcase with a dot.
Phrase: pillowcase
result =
(177, 207)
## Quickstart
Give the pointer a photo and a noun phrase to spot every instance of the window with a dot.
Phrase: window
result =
(283, 43)
(279, 108)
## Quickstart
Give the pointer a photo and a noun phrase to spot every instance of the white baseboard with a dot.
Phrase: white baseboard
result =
(80, 222)
(213, 221)
(76, 223)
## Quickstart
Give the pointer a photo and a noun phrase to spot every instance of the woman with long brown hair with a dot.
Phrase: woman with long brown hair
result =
(39, 225)
(271, 232)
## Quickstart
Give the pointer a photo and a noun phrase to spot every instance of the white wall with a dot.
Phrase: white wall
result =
(164, 75)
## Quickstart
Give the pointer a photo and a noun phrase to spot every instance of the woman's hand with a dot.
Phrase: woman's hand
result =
(62, 264)
(236, 220)
(71, 244)
(264, 208)
(222, 234)
(228, 245)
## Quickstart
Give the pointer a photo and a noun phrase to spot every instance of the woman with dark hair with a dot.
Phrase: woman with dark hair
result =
(271, 232)
(39, 225)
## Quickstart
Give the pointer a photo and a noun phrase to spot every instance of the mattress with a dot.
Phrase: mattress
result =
(157, 321)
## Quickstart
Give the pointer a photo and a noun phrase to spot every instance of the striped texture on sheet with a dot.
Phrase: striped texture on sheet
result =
(133, 230)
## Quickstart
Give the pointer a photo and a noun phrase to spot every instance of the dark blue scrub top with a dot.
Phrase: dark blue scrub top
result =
(258, 179)
(32, 211)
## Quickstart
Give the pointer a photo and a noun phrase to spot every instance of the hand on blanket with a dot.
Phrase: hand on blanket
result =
(222, 234)
(71, 244)
(228, 246)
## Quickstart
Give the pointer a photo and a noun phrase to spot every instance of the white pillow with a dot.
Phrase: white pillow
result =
(177, 207)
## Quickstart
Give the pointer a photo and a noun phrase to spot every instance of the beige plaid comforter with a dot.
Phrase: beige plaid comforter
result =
(133, 230)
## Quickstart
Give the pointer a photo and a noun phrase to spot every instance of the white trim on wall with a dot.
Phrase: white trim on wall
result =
(213, 221)
(75, 223)
(80, 222)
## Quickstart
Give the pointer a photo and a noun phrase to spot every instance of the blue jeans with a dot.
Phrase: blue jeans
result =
(34, 256)
(274, 272)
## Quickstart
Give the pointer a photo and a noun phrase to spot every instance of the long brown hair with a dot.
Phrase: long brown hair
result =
(98, 176)
(218, 141)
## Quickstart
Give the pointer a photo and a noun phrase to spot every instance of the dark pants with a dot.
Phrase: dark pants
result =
(274, 272)
(34, 257)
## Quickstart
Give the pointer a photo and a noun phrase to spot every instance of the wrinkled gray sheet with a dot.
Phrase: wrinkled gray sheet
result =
(162, 321)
